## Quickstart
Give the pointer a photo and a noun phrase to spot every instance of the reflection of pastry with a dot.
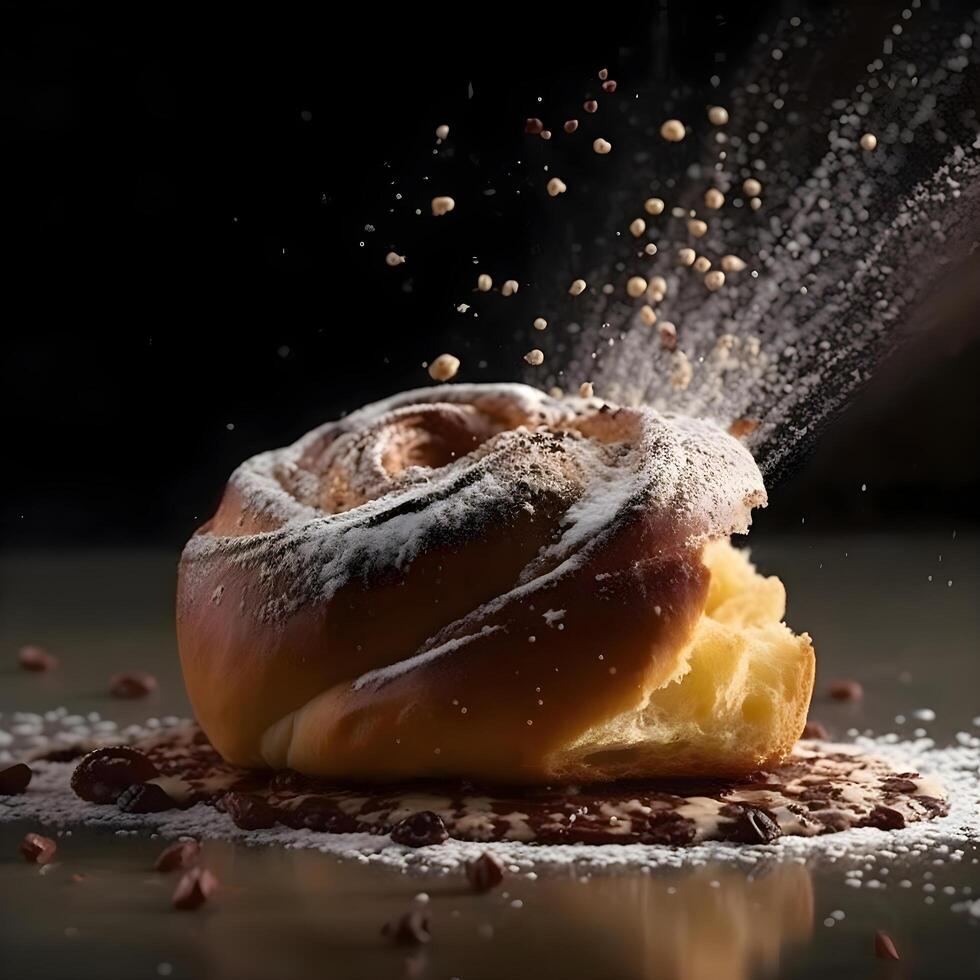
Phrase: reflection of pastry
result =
(708, 923)
(483, 581)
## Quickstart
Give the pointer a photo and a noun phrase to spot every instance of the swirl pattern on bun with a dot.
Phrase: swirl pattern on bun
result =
(482, 581)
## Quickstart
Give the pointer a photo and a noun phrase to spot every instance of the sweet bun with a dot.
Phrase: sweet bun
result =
(481, 581)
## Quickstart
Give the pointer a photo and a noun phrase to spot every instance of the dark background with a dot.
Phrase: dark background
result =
(182, 265)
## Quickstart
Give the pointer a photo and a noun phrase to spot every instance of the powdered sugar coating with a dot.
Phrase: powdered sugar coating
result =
(369, 493)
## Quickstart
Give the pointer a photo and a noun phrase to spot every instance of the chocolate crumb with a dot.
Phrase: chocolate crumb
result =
(132, 685)
(14, 779)
(420, 829)
(845, 690)
(102, 775)
(36, 659)
(194, 889)
(813, 729)
(37, 849)
(183, 854)
(145, 798)
(248, 812)
(884, 947)
(885, 818)
(412, 929)
(485, 873)
(750, 825)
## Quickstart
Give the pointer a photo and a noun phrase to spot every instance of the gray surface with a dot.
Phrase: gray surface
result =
(874, 616)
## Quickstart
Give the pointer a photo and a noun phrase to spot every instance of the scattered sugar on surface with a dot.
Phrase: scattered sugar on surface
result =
(864, 856)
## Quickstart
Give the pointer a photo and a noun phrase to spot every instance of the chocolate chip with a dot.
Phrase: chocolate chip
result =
(37, 849)
(132, 685)
(145, 798)
(15, 779)
(884, 818)
(884, 947)
(180, 855)
(36, 659)
(194, 889)
(485, 873)
(248, 812)
(590, 106)
(749, 824)
(103, 774)
(420, 829)
(571, 125)
(533, 126)
(412, 929)
(845, 690)
(609, 86)
(813, 729)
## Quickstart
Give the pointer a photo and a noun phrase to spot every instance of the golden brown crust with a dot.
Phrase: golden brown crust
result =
(383, 601)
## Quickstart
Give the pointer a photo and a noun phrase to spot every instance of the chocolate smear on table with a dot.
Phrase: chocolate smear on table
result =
(821, 789)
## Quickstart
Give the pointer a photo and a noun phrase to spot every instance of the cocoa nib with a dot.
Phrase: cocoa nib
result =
(145, 798)
(813, 729)
(102, 775)
(14, 779)
(420, 829)
(485, 873)
(412, 929)
(845, 690)
(884, 947)
(132, 685)
(183, 854)
(194, 889)
(37, 849)
(36, 659)
(248, 812)
(749, 824)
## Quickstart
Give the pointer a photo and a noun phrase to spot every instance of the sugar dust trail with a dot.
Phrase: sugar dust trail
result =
(851, 190)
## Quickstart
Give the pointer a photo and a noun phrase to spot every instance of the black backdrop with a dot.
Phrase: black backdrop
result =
(182, 268)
